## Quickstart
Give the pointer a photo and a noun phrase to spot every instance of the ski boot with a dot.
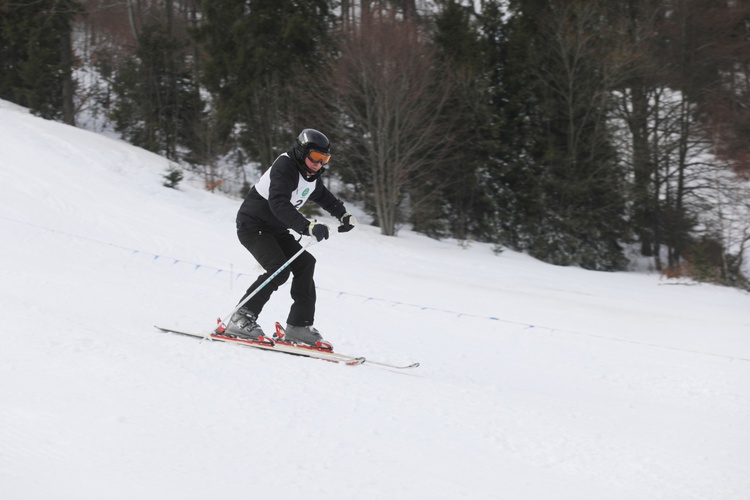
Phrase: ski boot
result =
(305, 335)
(244, 326)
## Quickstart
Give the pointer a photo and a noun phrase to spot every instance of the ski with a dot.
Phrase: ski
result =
(288, 348)
(270, 345)
(280, 335)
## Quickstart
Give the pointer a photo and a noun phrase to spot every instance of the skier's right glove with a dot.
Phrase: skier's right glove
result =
(317, 231)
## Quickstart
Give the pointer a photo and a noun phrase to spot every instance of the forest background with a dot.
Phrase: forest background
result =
(583, 132)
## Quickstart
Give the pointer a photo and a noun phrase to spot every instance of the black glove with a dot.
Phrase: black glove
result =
(317, 231)
(347, 222)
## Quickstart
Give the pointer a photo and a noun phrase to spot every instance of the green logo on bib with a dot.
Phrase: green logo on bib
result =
(304, 193)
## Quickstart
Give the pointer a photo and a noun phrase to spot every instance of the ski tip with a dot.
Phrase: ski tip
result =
(402, 367)
(389, 365)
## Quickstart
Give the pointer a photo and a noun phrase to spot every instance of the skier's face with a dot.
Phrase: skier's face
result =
(312, 165)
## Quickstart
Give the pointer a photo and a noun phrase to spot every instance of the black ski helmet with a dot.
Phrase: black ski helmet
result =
(311, 139)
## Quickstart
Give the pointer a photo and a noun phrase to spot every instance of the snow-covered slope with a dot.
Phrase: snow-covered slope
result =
(537, 382)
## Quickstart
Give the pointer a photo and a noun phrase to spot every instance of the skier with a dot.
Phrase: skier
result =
(269, 210)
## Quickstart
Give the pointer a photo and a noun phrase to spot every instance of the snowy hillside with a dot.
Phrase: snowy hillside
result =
(536, 382)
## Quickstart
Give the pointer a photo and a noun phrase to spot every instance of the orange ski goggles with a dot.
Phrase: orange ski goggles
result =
(318, 157)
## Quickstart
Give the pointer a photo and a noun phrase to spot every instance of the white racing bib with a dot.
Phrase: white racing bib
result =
(298, 196)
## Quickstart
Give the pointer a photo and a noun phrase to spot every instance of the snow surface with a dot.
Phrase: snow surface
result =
(537, 382)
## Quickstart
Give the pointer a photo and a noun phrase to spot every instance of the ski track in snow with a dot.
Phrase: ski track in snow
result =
(535, 381)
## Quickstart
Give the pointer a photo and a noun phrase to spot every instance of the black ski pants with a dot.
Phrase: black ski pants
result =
(272, 250)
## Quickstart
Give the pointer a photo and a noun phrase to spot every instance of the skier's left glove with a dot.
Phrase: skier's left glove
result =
(347, 222)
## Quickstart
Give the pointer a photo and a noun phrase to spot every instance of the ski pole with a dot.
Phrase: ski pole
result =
(222, 326)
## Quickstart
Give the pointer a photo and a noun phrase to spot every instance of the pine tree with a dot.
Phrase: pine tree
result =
(516, 175)
(257, 52)
(34, 65)
(158, 102)
(466, 208)
(561, 181)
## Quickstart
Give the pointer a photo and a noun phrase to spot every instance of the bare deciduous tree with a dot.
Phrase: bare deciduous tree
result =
(391, 100)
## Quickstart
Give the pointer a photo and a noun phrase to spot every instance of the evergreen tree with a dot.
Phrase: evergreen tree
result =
(158, 101)
(560, 176)
(35, 62)
(258, 52)
(467, 206)
(517, 171)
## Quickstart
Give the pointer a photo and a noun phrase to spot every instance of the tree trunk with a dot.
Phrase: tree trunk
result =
(66, 57)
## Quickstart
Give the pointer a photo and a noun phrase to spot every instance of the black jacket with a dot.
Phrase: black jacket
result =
(278, 212)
